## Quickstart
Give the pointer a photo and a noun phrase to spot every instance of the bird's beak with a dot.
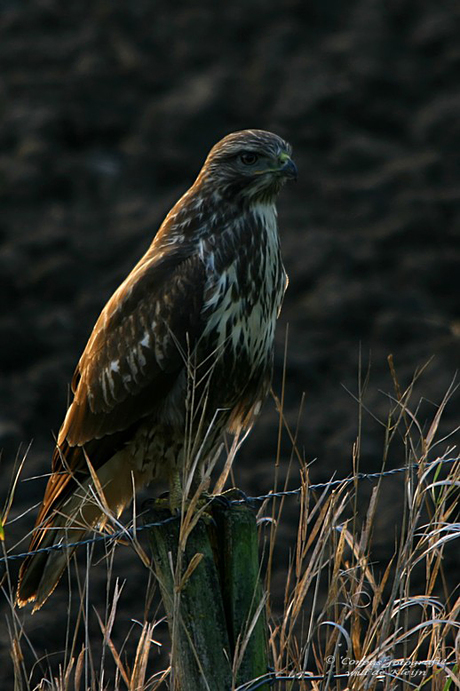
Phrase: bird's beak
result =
(287, 167)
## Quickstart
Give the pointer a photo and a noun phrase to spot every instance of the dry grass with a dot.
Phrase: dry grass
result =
(346, 621)
(362, 625)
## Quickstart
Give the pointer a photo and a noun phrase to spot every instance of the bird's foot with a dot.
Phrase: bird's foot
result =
(205, 503)
(178, 505)
(226, 500)
(237, 497)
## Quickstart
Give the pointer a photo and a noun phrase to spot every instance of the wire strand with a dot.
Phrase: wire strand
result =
(130, 532)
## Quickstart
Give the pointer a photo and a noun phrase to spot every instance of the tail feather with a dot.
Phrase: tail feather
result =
(40, 573)
(90, 504)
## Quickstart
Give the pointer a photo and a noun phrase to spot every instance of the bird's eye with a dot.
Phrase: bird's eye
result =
(248, 158)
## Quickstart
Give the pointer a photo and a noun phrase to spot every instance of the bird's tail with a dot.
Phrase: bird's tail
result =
(91, 503)
(53, 545)
(41, 572)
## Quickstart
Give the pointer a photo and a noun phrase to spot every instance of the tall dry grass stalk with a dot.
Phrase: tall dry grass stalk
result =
(362, 624)
(346, 621)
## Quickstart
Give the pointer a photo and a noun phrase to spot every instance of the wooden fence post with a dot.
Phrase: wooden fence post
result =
(242, 593)
(213, 600)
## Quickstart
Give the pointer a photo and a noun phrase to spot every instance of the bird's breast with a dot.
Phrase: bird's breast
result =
(246, 282)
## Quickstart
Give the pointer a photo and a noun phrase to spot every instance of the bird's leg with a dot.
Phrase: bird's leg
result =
(174, 498)
(175, 490)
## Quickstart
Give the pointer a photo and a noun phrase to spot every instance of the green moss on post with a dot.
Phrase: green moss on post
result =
(215, 606)
(200, 649)
(243, 597)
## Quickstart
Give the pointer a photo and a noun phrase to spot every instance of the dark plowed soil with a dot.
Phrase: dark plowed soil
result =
(107, 111)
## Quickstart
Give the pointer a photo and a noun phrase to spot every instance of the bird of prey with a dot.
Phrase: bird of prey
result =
(181, 353)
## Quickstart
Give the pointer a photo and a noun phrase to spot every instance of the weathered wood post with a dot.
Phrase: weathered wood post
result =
(213, 598)
(242, 593)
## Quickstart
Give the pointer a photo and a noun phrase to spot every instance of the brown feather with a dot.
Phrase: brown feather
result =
(207, 292)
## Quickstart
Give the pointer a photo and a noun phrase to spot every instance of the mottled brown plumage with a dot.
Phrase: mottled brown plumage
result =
(181, 352)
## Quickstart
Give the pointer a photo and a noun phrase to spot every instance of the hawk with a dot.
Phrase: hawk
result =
(181, 352)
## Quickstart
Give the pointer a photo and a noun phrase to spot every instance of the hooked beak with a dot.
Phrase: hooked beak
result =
(288, 168)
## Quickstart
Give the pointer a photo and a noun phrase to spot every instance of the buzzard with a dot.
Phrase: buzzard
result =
(181, 352)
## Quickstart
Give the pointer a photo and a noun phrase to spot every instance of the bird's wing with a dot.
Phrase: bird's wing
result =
(137, 348)
(132, 360)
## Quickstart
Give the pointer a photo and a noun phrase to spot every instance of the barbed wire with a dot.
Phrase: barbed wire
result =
(344, 481)
(131, 532)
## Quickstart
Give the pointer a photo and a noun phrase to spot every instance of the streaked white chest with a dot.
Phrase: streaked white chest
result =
(245, 298)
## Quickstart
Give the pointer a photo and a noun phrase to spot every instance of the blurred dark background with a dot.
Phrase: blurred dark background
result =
(107, 111)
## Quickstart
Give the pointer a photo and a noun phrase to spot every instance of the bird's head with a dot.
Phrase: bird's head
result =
(251, 165)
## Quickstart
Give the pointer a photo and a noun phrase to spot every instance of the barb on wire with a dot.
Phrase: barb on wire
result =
(131, 532)
(343, 481)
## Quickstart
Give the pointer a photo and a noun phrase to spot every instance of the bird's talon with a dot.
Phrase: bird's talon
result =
(237, 497)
